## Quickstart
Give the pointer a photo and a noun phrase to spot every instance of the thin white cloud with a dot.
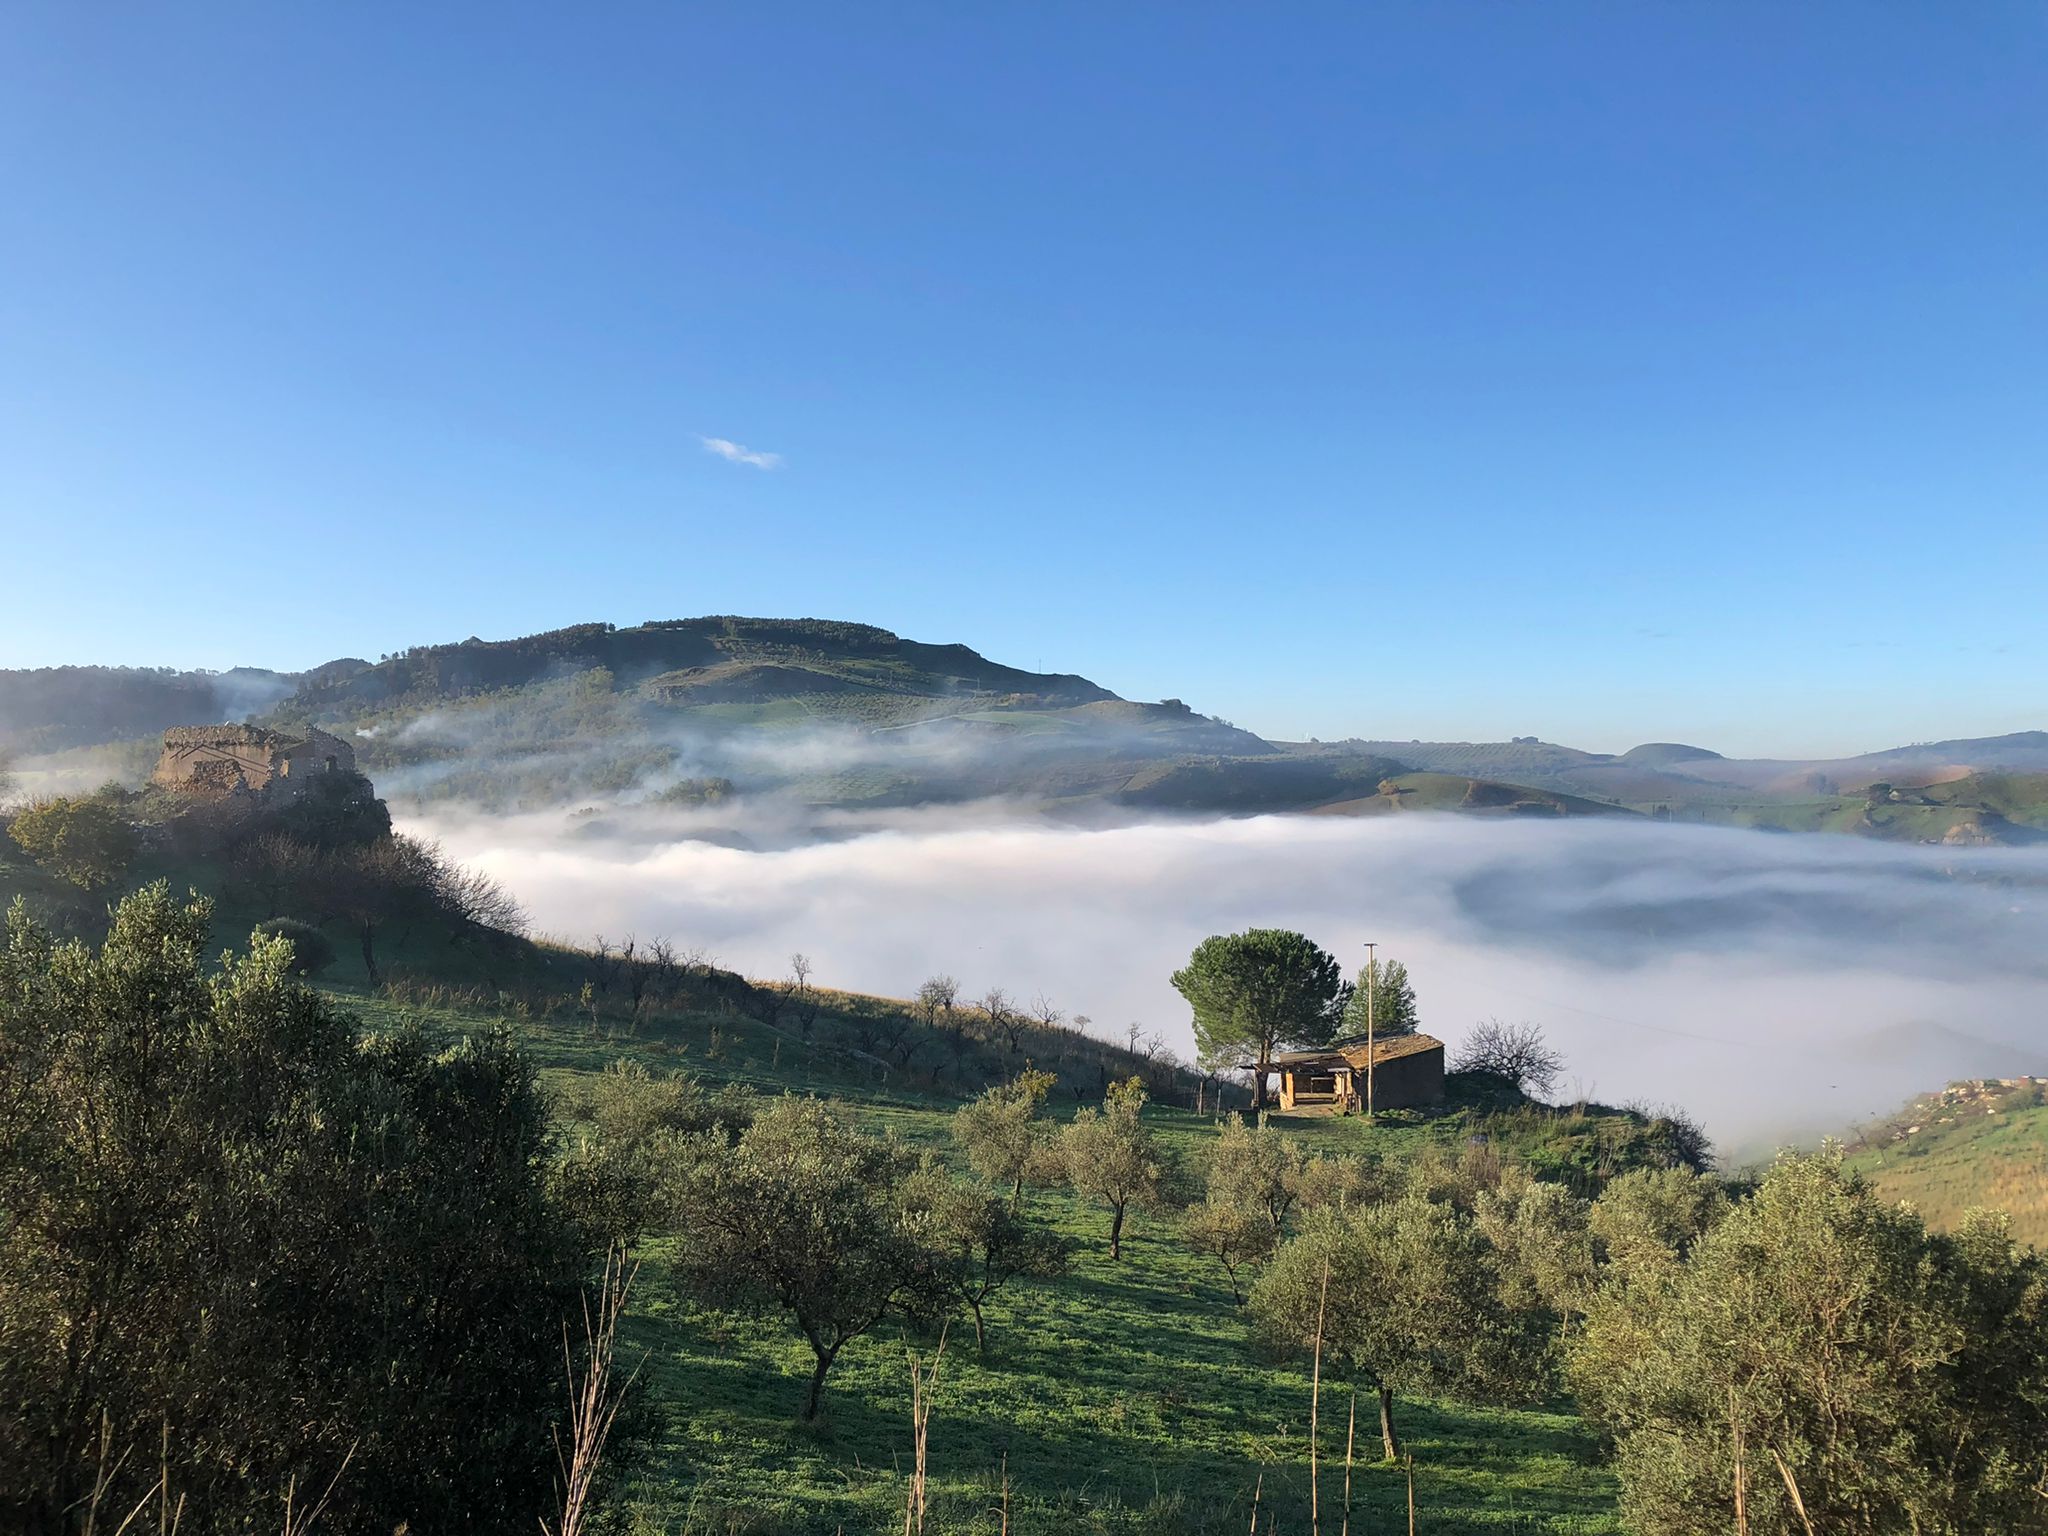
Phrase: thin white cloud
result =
(739, 453)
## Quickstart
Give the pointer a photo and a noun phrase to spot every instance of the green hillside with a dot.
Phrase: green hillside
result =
(1123, 1397)
(1406, 793)
(1975, 1145)
(787, 656)
(827, 714)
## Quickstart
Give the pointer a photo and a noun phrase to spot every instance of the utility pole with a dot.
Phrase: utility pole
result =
(1372, 987)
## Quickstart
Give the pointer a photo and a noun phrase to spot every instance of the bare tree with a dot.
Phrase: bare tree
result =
(937, 1005)
(1004, 1018)
(666, 967)
(803, 1000)
(1514, 1053)
(935, 1000)
(637, 971)
(604, 964)
(764, 1001)
(1045, 1015)
(472, 897)
(277, 868)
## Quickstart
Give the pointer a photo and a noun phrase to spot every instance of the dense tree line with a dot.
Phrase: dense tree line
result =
(1798, 1357)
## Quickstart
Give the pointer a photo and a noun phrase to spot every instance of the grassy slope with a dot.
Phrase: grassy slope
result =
(1452, 792)
(1122, 1398)
(1974, 1145)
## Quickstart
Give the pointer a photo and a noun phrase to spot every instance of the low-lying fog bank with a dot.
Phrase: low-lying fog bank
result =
(1778, 986)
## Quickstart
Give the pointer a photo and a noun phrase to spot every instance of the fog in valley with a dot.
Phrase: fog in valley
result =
(1778, 986)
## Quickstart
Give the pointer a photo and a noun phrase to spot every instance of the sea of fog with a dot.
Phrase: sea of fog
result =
(1778, 986)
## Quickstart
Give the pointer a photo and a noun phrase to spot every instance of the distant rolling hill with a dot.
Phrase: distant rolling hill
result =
(1984, 790)
(56, 709)
(1410, 792)
(830, 713)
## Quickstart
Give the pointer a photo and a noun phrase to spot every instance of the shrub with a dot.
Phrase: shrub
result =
(89, 840)
(312, 950)
(219, 1217)
(1821, 1340)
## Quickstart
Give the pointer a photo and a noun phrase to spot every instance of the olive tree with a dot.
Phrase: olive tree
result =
(981, 1243)
(1256, 1169)
(1004, 1133)
(807, 1215)
(1253, 993)
(1110, 1156)
(1654, 1215)
(89, 840)
(1821, 1351)
(1413, 1306)
(1543, 1244)
(1235, 1236)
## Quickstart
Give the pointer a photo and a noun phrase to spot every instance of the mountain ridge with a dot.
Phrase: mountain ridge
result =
(837, 712)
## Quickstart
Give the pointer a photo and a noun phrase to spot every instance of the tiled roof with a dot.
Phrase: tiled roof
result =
(1351, 1050)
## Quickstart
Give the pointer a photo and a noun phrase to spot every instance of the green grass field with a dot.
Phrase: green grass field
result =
(1123, 1397)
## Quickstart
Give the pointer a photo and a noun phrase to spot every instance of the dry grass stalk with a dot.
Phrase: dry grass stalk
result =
(1741, 1492)
(595, 1398)
(1792, 1487)
(170, 1516)
(1258, 1492)
(1006, 1494)
(298, 1522)
(1350, 1438)
(1409, 1463)
(1315, 1398)
(923, 1379)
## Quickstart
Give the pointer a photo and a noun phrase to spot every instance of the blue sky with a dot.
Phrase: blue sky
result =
(1604, 372)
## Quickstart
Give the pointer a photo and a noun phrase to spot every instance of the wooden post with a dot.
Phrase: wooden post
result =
(1372, 989)
(1350, 1437)
(1315, 1397)
(1741, 1493)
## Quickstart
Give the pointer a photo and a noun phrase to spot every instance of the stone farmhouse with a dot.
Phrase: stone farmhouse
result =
(1407, 1073)
(217, 761)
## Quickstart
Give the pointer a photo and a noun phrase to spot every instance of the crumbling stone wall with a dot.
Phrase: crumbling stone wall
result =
(214, 761)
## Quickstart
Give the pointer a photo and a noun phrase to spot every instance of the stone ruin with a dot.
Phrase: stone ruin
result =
(222, 761)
